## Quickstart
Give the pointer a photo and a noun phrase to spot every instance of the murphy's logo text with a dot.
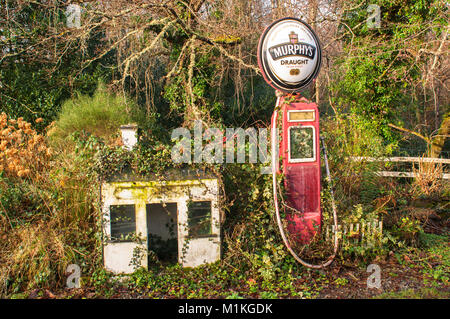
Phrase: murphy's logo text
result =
(292, 48)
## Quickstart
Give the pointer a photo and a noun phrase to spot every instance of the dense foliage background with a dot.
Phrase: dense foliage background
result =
(65, 90)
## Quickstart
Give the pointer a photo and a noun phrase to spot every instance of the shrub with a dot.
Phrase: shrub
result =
(50, 220)
(428, 180)
(100, 115)
(23, 152)
(349, 136)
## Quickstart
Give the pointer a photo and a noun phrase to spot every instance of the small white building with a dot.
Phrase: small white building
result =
(178, 219)
(174, 219)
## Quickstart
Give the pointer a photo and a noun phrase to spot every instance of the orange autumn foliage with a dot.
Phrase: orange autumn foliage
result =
(23, 152)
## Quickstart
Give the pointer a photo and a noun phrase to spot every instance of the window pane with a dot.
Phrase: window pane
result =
(301, 116)
(301, 142)
(123, 221)
(199, 219)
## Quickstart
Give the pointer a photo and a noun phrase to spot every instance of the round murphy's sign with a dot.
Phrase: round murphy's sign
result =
(289, 54)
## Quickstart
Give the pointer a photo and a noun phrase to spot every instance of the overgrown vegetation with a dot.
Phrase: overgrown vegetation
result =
(48, 216)
(99, 115)
(165, 67)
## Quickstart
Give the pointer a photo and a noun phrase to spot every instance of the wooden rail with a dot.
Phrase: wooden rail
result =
(403, 159)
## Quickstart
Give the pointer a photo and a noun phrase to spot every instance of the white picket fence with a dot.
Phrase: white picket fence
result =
(404, 159)
(357, 232)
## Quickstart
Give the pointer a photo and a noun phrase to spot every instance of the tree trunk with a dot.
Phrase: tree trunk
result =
(439, 140)
(312, 16)
(436, 143)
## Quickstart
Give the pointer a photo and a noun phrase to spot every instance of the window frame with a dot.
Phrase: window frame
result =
(302, 160)
(211, 233)
(119, 240)
(300, 111)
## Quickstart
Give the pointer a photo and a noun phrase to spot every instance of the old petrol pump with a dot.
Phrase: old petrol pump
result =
(289, 56)
(299, 148)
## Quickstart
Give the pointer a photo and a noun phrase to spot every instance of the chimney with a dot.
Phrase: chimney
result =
(129, 135)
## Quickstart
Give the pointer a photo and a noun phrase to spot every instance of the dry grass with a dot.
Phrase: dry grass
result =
(34, 255)
(428, 179)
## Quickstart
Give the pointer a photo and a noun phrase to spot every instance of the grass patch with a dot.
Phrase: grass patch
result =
(100, 115)
(423, 293)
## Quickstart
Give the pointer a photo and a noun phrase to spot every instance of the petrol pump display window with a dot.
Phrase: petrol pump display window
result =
(123, 222)
(301, 144)
(199, 219)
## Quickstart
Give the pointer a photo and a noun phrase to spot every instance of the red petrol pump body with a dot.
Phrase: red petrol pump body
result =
(299, 151)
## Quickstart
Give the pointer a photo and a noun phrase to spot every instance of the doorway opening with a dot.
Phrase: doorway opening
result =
(162, 232)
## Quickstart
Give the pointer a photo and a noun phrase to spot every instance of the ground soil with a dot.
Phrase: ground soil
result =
(401, 280)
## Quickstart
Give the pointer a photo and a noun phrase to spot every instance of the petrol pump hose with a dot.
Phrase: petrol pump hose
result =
(277, 211)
